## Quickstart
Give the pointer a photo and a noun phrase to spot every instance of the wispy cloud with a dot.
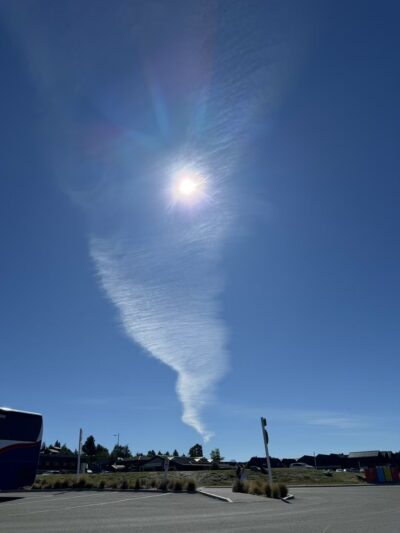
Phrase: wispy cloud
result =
(321, 418)
(166, 296)
(334, 420)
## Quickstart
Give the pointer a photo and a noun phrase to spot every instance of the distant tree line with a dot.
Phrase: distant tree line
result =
(96, 453)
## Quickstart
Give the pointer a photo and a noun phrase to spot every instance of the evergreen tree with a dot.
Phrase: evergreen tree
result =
(175, 453)
(102, 454)
(196, 451)
(89, 448)
(65, 450)
(122, 452)
(215, 456)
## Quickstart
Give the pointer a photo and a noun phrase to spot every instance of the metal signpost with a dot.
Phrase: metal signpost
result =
(265, 436)
(78, 470)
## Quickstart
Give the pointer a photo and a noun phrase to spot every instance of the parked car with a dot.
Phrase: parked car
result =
(300, 465)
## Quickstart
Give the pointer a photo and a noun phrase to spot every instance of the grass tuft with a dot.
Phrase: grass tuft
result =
(240, 486)
(283, 489)
(163, 485)
(256, 488)
(267, 490)
(178, 485)
(191, 485)
(276, 493)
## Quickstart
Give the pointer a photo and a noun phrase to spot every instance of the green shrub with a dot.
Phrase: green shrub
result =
(114, 485)
(283, 490)
(191, 485)
(137, 485)
(124, 484)
(101, 485)
(267, 490)
(57, 484)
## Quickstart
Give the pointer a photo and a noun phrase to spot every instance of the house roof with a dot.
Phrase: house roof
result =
(183, 460)
(355, 455)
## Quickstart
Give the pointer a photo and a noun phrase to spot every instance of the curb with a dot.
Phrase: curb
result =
(333, 485)
(215, 496)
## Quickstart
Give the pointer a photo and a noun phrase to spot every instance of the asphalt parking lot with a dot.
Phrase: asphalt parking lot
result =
(314, 510)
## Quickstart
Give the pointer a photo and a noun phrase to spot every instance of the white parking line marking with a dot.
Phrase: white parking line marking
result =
(118, 501)
(111, 502)
(51, 497)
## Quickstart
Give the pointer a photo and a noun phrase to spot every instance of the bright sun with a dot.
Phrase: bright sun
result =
(188, 187)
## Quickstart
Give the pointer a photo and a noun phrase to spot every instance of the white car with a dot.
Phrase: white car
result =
(300, 465)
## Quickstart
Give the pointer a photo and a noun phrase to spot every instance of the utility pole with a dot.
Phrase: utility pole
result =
(315, 461)
(117, 435)
(266, 439)
(166, 467)
(78, 469)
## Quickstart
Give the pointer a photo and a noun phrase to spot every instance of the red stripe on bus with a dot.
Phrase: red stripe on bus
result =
(20, 445)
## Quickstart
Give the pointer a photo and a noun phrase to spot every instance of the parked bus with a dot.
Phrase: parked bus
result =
(20, 441)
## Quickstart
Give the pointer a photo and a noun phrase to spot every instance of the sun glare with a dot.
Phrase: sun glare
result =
(188, 187)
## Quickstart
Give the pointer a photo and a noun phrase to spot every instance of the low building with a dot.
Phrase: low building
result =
(59, 462)
(261, 463)
(370, 458)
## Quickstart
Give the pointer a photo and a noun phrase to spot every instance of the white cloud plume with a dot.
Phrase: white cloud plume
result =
(166, 294)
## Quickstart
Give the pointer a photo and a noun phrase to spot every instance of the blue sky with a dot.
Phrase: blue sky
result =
(127, 308)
